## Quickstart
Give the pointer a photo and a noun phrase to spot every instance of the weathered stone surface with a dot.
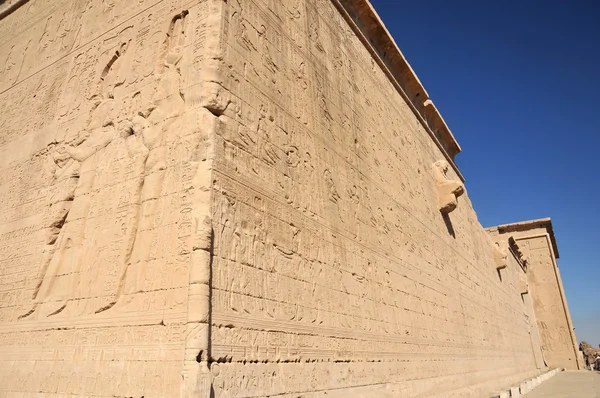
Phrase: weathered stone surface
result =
(106, 152)
(515, 392)
(448, 190)
(537, 243)
(240, 198)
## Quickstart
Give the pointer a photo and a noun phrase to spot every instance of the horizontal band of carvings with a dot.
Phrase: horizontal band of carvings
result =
(8, 6)
(369, 28)
(367, 25)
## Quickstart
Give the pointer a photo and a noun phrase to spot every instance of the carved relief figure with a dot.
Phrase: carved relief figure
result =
(147, 132)
(76, 266)
(76, 169)
(448, 190)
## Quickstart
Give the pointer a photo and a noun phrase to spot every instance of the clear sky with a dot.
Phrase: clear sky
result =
(518, 82)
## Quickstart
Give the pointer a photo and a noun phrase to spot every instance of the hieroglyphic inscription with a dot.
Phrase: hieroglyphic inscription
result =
(332, 267)
(97, 244)
(232, 198)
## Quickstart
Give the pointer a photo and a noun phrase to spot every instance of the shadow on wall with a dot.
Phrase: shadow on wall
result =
(449, 226)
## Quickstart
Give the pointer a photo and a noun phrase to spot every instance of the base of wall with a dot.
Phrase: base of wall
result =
(526, 386)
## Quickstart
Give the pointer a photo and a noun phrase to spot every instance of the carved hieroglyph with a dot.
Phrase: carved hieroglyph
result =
(236, 198)
(332, 270)
(105, 213)
(143, 135)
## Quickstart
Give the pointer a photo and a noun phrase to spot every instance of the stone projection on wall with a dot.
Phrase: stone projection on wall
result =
(242, 198)
(448, 190)
(500, 255)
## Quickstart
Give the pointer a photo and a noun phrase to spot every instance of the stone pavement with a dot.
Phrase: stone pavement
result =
(581, 384)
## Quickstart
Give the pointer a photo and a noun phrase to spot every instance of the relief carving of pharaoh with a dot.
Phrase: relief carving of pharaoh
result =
(98, 241)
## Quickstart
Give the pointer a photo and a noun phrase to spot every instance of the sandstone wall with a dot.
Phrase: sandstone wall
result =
(105, 157)
(537, 242)
(519, 281)
(151, 149)
(333, 268)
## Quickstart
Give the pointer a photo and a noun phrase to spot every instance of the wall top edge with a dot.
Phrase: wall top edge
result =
(8, 6)
(362, 17)
(522, 226)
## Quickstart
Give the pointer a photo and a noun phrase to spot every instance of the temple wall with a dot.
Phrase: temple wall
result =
(333, 269)
(516, 274)
(240, 198)
(104, 176)
(558, 340)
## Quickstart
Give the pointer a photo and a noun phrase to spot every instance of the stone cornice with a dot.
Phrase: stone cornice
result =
(532, 224)
(369, 28)
(517, 253)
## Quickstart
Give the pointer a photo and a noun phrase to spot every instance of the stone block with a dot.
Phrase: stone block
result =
(514, 392)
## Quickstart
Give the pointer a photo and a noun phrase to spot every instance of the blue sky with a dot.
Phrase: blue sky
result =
(518, 82)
